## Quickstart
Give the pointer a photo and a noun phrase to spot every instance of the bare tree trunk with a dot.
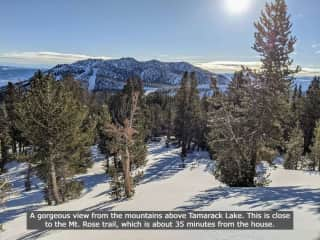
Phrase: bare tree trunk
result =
(296, 165)
(253, 163)
(107, 164)
(54, 184)
(115, 163)
(126, 173)
(14, 147)
(48, 191)
(20, 147)
(314, 164)
(4, 156)
(27, 183)
(124, 133)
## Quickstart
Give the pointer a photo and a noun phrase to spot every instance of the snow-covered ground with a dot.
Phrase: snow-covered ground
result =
(168, 186)
(92, 79)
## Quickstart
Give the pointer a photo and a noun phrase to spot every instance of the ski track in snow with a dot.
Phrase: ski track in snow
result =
(92, 80)
(168, 186)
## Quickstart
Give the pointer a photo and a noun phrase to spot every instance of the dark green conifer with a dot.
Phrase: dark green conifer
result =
(293, 157)
(54, 122)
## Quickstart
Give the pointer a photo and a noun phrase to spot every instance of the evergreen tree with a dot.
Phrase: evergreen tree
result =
(237, 136)
(293, 157)
(4, 192)
(311, 112)
(195, 108)
(4, 138)
(11, 97)
(160, 113)
(4, 189)
(128, 135)
(274, 42)
(297, 105)
(315, 149)
(54, 122)
(188, 113)
(104, 140)
(203, 129)
(88, 126)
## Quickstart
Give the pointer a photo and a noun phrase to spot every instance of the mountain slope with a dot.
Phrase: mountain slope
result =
(168, 186)
(111, 74)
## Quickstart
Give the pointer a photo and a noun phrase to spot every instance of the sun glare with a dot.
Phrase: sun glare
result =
(237, 7)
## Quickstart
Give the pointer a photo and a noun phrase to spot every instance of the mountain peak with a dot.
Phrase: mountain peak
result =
(99, 74)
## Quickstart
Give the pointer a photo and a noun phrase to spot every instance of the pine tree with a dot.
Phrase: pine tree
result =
(188, 113)
(88, 126)
(160, 113)
(311, 112)
(104, 140)
(4, 138)
(127, 132)
(297, 103)
(293, 157)
(4, 193)
(195, 108)
(4, 188)
(53, 122)
(236, 134)
(11, 97)
(315, 148)
(203, 128)
(182, 115)
(274, 42)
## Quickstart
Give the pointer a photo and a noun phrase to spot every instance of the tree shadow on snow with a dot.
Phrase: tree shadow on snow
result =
(16, 205)
(90, 181)
(273, 198)
(168, 165)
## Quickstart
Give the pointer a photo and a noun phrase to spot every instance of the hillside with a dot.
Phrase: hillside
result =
(167, 186)
(99, 74)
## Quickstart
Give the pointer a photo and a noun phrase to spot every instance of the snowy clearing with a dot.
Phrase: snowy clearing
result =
(168, 186)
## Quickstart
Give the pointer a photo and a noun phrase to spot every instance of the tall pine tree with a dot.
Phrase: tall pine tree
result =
(53, 121)
(188, 113)
(293, 157)
(315, 148)
(311, 112)
(237, 138)
(4, 138)
(274, 43)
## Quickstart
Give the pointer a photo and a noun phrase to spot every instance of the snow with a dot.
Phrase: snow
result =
(114, 72)
(168, 186)
(148, 90)
(92, 79)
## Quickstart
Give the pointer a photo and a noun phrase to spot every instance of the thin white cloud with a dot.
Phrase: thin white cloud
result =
(315, 45)
(43, 58)
(228, 66)
(53, 58)
(232, 66)
(308, 71)
(191, 59)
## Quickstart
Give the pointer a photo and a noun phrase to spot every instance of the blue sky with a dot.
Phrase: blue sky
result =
(203, 32)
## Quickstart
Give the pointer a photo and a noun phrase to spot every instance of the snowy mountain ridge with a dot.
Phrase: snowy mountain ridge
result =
(100, 75)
